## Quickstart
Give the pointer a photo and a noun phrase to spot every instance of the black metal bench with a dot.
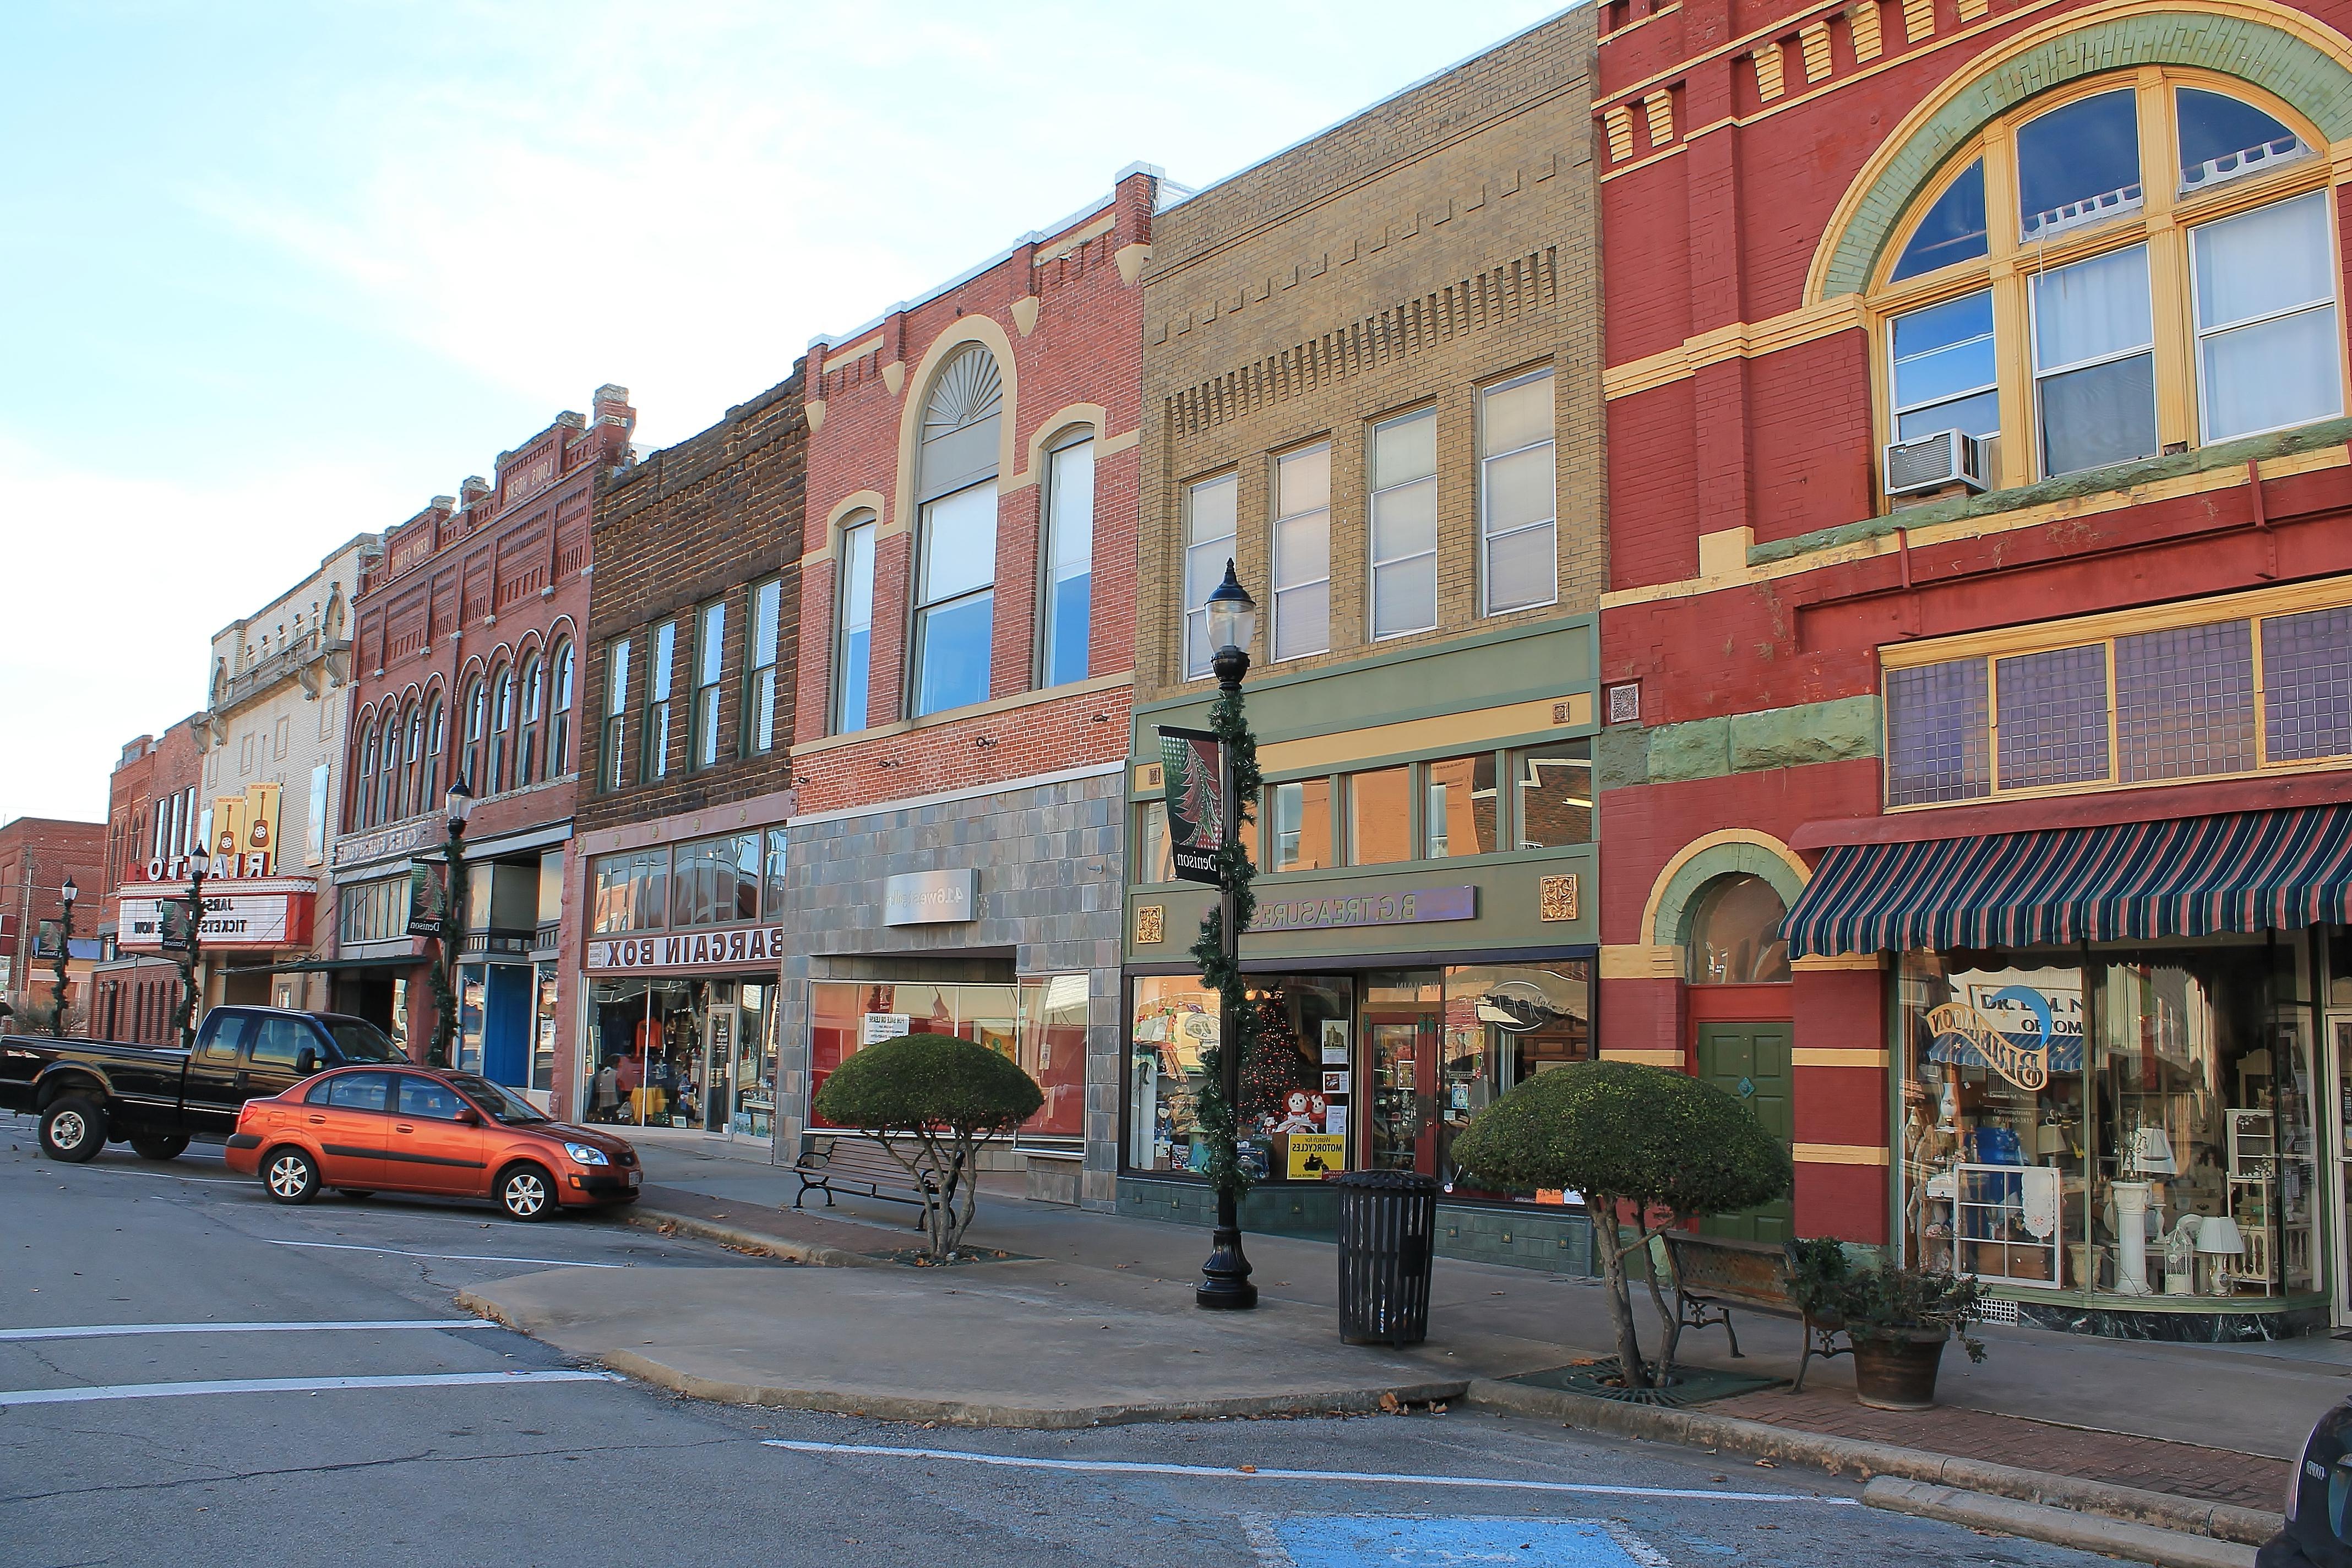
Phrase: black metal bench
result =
(853, 1164)
(1713, 1274)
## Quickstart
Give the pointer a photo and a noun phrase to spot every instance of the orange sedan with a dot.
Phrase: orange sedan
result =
(366, 1130)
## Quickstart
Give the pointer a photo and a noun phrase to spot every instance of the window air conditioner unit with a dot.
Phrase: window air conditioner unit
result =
(1931, 462)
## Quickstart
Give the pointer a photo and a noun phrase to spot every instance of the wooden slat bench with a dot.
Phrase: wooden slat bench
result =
(1712, 1275)
(846, 1162)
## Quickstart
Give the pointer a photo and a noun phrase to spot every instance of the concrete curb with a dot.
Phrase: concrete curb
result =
(1851, 1457)
(2055, 1526)
(752, 1240)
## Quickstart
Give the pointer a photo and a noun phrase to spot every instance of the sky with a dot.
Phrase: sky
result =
(276, 275)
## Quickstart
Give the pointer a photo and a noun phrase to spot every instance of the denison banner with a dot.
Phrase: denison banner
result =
(1193, 763)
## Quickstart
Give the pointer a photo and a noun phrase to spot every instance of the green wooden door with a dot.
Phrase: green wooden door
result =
(1750, 1063)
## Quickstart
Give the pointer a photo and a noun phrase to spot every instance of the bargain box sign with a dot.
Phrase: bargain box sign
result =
(688, 949)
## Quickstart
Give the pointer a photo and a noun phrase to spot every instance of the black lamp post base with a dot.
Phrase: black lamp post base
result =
(1225, 1278)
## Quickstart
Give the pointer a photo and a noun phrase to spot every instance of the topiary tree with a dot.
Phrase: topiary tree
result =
(1646, 1140)
(942, 1095)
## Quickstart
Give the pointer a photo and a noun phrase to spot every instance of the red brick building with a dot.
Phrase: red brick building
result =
(37, 856)
(466, 663)
(153, 821)
(1980, 601)
(967, 649)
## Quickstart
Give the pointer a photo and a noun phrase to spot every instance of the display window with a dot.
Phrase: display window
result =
(692, 1054)
(2129, 1122)
(1038, 1022)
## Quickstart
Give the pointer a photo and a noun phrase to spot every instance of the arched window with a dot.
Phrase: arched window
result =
(412, 757)
(2059, 304)
(501, 724)
(527, 743)
(388, 772)
(559, 725)
(955, 566)
(364, 799)
(1734, 933)
(477, 726)
(429, 781)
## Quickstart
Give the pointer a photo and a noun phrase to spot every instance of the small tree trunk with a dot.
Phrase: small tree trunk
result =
(1670, 1323)
(1629, 1365)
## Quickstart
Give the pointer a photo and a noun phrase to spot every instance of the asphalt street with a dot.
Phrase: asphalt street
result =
(190, 1373)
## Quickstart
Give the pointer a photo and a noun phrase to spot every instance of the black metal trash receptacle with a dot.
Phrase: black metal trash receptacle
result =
(1387, 1229)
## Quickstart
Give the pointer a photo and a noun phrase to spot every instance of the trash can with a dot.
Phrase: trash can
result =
(1388, 1226)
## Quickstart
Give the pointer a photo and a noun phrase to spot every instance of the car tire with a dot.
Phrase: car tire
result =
(73, 1128)
(356, 1195)
(526, 1192)
(169, 1147)
(292, 1176)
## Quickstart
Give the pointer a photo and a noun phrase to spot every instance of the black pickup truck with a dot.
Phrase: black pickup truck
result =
(89, 1093)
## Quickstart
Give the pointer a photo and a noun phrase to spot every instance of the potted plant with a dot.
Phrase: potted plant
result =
(1897, 1319)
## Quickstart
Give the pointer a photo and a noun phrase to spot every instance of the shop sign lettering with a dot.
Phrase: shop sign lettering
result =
(1419, 907)
(234, 919)
(2020, 1031)
(688, 949)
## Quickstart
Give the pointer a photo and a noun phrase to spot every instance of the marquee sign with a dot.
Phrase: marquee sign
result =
(231, 920)
(763, 945)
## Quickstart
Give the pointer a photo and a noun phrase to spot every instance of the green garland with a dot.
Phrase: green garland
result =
(441, 1052)
(1216, 1115)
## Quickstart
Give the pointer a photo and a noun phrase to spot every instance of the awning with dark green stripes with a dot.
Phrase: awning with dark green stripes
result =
(2244, 871)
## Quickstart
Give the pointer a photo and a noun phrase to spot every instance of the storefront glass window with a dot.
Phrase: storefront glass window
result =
(772, 881)
(473, 982)
(629, 892)
(1377, 808)
(1735, 935)
(1039, 1023)
(1156, 862)
(675, 1053)
(715, 881)
(1404, 1013)
(2138, 1125)
(1175, 1020)
(1554, 790)
(1298, 825)
(1295, 1082)
(1504, 1023)
(1458, 810)
(1053, 1051)
(542, 1038)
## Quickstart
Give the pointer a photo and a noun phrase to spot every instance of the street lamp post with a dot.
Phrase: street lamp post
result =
(199, 864)
(460, 804)
(65, 950)
(1232, 616)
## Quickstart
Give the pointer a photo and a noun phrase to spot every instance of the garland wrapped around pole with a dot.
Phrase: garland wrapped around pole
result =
(1216, 1115)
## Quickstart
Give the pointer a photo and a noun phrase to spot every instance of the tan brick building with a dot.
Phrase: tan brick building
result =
(1371, 379)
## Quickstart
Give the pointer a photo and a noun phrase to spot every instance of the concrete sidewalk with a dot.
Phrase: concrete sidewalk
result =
(1093, 1321)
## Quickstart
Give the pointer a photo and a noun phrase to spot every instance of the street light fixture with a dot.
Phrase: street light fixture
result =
(65, 950)
(199, 866)
(459, 805)
(1232, 617)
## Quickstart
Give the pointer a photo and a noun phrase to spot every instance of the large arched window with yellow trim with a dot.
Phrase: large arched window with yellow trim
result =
(2140, 263)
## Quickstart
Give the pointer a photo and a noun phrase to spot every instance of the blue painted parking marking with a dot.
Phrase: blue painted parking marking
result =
(1377, 1541)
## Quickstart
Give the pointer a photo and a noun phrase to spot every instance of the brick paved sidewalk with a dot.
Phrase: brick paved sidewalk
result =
(2209, 1475)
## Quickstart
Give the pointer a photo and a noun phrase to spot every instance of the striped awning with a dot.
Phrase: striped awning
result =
(2189, 876)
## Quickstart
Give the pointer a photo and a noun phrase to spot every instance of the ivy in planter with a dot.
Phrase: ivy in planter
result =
(1885, 1300)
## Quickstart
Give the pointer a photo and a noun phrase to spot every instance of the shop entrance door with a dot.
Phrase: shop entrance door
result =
(718, 1063)
(1750, 1063)
(2336, 1140)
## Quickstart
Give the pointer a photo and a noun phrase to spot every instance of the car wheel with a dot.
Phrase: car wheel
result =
(354, 1194)
(292, 1176)
(160, 1148)
(526, 1193)
(73, 1129)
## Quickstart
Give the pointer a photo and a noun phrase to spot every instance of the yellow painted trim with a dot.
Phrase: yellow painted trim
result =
(1838, 1154)
(1641, 22)
(987, 331)
(1639, 163)
(835, 358)
(1700, 845)
(857, 501)
(1053, 250)
(1993, 525)
(1837, 1057)
(1060, 423)
(1013, 703)
(813, 410)
(1113, 445)
(2286, 599)
(1631, 961)
(1131, 259)
(1835, 962)
(1741, 340)
(1645, 1058)
(1445, 731)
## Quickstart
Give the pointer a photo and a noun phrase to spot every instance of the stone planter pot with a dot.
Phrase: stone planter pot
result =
(1895, 1369)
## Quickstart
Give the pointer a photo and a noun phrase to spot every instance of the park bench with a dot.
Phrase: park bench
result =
(831, 1162)
(1711, 1275)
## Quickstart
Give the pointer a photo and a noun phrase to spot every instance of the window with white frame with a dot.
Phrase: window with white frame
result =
(1210, 516)
(1069, 561)
(1517, 488)
(559, 721)
(955, 600)
(1404, 524)
(616, 711)
(1302, 552)
(852, 654)
(709, 660)
(653, 737)
(759, 723)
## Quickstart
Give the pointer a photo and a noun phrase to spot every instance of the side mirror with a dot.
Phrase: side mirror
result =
(306, 1060)
(469, 1117)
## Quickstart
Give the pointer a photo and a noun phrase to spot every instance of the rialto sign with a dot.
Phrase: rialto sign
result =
(688, 949)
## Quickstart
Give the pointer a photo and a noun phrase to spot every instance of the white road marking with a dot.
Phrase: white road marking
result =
(293, 1386)
(108, 1331)
(453, 1256)
(1228, 1473)
(168, 1177)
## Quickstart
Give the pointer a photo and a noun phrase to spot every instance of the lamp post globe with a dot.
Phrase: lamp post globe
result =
(459, 801)
(1232, 616)
(71, 893)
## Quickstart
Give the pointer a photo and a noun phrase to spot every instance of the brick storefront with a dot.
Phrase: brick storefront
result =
(152, 824)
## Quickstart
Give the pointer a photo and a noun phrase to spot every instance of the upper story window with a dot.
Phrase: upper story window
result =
(388, 801)
(501, 726)
(1518, 491)
(565, 665)
(709, 660)
(1302, 552)
(2068, 311)
(364, 799)
(2220, 688)
(415, 786)
(616, 712)
(853, 653)
(478, 717)
(652, 739)
(1404, 524)
(432, 752)
(534, 710)
(759, 723)
(1210, 515)
(1069, 561)
(955, 568)
(1734, 935)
